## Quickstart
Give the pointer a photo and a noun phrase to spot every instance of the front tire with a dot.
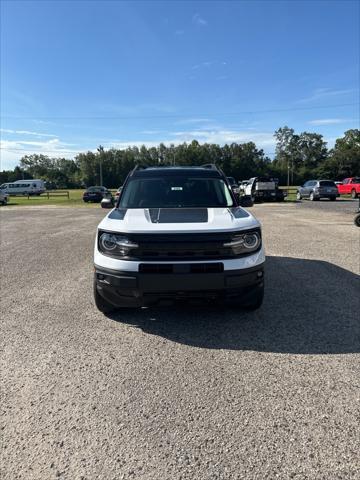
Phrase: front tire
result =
(357, 220)
(311, 197)
(100, 302)
(298, 196)
(332, 199)
(353, 194)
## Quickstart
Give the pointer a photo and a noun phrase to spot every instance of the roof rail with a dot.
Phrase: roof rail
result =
(212, 166)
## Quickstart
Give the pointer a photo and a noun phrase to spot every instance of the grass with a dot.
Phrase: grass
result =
(74, 200)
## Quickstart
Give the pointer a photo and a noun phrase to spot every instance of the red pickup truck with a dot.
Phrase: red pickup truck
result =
(350, 186)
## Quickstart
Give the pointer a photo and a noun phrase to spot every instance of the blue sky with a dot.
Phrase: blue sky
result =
(76, 74)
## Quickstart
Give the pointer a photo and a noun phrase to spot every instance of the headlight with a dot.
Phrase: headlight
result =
(245, 243)
(115, 245)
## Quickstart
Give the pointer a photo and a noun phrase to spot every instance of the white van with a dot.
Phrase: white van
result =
(24, 187)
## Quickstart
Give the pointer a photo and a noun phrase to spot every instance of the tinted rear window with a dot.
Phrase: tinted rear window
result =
(327, 183)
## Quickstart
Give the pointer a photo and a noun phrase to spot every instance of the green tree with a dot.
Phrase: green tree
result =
(344, 158)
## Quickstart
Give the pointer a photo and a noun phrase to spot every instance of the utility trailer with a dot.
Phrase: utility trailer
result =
(263, 189)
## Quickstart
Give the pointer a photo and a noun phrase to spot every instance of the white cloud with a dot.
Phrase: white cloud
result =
(321, 93)
(150, 132)
(13, 150)
(26, 132)
(193, 120)
(222, 136)
(328, 121)
(198, 20)
(264, 140)
(202, 65)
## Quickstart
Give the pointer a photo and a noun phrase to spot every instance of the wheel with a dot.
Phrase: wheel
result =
(333, 199)
(298, 196)
(357, 220)
(256, 299)
(312, 198)
(353, 193)
(100, 302)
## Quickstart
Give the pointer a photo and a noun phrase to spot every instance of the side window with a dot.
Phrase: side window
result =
(313, 183)
(34, 185)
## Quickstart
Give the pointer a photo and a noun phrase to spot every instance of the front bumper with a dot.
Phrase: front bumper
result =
(135, 289)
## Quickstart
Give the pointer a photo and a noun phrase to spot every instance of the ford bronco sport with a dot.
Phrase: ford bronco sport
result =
(177, 233)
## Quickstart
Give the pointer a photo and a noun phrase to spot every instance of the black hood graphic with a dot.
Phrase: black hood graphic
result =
(178, 215)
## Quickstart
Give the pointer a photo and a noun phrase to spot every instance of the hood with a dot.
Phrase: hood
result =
(180, 220)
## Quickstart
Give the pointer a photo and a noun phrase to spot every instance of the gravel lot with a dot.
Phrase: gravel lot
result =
(181, 393)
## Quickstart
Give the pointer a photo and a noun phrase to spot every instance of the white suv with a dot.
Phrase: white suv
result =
(177, 233)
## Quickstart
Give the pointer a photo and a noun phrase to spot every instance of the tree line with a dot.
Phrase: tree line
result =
(298, 157)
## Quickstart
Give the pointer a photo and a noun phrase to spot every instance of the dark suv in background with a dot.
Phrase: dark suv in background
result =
(317, 189)
(96, 194)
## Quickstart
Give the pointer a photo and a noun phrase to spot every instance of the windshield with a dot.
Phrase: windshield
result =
(174, 192)
(327, 183)
(94, 189)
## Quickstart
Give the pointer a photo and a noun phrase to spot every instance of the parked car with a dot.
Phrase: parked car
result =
(178, 234)
(117, 193)
(24, 187)
(317, 189)
(3, 197)
(96, 194)
(350, 186)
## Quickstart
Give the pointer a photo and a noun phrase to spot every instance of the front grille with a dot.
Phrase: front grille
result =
(181, 247)
(164, 268)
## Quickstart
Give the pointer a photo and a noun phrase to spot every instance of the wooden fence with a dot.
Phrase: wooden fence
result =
(54, 193)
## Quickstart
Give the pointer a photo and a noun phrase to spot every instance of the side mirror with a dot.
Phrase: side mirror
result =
(107, 203)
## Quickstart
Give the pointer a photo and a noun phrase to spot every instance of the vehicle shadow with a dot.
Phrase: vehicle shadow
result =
(310, 307)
